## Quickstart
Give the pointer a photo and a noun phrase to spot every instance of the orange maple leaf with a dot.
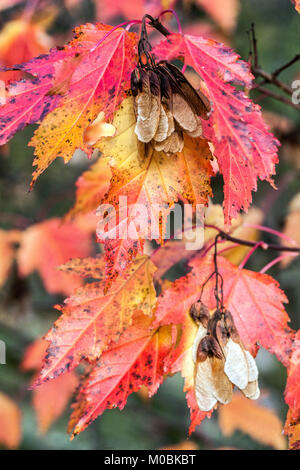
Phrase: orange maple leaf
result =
(45, 246)
(91, 318)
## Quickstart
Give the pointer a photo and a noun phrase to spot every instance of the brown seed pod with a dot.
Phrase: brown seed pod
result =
(209, 347)
(199, 313)
(166, 105)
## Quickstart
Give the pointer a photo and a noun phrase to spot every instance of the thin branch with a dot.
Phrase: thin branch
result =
(277, 97)
(283, 67)
(270, 78)
(264, 246)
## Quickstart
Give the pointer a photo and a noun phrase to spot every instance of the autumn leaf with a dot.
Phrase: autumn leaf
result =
(224, 13)
(255, 301)
(10, 422)
(89, 75)
(137, 359)
(244, 148)
(91, 318)
(247, 416)
(155, 182)
(51, 398)
(91, 188)
(45, 246)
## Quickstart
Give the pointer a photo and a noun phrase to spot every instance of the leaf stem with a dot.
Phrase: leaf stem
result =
(270, 230)
(176, 17)
(248, 256)
(275, 261)
(125, 23)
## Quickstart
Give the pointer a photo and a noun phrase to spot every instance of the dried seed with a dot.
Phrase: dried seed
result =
(252, 390)
(210, 347)
(146, 129)
(163, 126)
(222, 385)
(236, 365)
(172, 144)
(202, 331)
(204, 387)
(183, 114)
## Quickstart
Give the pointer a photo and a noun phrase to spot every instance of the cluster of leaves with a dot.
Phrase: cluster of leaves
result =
(129, 324)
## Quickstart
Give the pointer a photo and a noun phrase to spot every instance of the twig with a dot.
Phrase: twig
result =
(265, 246)
(270, 78)
(277, 97)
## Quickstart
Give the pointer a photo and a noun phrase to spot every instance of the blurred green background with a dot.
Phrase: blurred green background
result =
(26, 308)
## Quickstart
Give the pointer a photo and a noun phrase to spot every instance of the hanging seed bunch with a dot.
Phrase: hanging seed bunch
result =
(221, 361)
(165, 103)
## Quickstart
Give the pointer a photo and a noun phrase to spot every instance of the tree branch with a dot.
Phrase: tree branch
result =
(264, 246)
(270, 78)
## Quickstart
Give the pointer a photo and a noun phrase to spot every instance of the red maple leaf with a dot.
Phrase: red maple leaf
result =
(70, 86)
(136, 359)
(244, 148)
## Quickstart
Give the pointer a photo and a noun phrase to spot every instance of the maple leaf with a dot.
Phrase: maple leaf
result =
(155, 182)
(10, 422)
(247, 416)
(292, 391)
(255, 301)
(244, 148)
(51, 398)
(88, 76)
(46, 245)
(98, 83)
(92, 319)
(137, 359)
(91, 188)
(223, 12)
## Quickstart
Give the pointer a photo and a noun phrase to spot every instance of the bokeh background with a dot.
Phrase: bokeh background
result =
(26, 303)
